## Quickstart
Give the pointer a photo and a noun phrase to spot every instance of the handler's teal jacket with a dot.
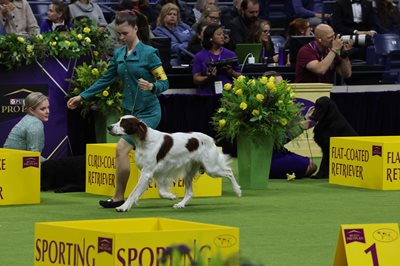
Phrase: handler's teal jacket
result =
(145, 63)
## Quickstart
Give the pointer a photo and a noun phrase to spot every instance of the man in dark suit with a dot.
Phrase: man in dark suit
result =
(353, 17)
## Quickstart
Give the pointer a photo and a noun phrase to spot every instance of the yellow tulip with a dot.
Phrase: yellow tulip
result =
(21, 39)
(252, 82)
(260, 97)
(105, 93)
(241, 78)
(227, 86)
(29, 48)
(221, 110)
(264, 80)
(243, 105)
(221, 123)
(272, 79)
(95, 53)
(86, 30)
(283, 121)
(39, 37)
(95, 71)
(239, 92)
(271, 85)
(255, 112)
(79, 36)
(68, 43)
(88, 40)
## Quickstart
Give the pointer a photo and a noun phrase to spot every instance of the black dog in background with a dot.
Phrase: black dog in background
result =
(63, 175)
(329, 123)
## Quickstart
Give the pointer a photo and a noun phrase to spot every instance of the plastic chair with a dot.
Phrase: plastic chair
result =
(385, 43)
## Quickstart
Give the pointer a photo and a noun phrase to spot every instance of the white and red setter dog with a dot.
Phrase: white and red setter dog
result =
(167, 157)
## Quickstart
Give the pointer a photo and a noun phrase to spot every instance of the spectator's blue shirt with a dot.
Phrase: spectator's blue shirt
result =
(306, 8)
(180, 36)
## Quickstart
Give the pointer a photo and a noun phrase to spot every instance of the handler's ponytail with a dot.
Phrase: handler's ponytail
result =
(135, 18)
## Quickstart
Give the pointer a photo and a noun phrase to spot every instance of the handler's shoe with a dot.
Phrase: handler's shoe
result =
(110, 203)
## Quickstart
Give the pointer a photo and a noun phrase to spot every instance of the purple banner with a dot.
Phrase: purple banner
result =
(49, 76)
(376, 150)
(105, 245)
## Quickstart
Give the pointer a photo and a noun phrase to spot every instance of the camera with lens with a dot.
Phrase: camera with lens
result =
(358, 40)
(224, 62)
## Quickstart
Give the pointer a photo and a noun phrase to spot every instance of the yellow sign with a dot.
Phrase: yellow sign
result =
(101, 176)
(367, 162)
(368, 245)
(129, 241)
(19, 177)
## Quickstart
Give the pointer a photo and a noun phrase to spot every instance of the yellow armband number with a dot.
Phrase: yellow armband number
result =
(159, 73)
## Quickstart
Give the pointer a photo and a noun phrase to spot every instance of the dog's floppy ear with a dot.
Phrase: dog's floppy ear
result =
(142, 130)
(322, 108)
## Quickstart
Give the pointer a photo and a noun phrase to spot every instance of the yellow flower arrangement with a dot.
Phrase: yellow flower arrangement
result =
(106, 102)
(258, 106)
(81, 40)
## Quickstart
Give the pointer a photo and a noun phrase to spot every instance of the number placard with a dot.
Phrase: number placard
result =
(368, 245)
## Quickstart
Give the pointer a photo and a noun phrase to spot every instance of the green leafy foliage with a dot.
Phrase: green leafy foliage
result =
(106, 102)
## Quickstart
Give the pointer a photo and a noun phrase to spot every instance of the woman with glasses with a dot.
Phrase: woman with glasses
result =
(196, 13)
(263, 36)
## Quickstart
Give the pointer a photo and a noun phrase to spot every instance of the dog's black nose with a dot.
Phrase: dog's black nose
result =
(109, 128)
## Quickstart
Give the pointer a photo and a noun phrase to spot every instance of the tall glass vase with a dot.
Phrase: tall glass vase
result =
(254, 155)
(102, 121)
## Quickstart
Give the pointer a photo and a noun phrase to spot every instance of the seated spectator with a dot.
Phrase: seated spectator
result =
(230, 12)
(353, 17)
(28, 133)
(86, 8)
(263, 36)
(169, 25)
(211, 14)
(310, 9)
(319, 60)
(286, 162)
(244, 26)
(194, 45)
(57, 18)
(211, 78)
(297, 27)
(387, 17)
(16, 16)
(184, 10)
(196, 13)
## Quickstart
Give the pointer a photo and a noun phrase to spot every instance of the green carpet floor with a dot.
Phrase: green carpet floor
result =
(290, 223)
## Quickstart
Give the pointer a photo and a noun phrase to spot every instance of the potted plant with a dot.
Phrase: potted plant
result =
(260, 114)
(106, 105)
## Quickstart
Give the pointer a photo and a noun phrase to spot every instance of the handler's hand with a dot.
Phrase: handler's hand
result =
(74, 102)
(145, 85)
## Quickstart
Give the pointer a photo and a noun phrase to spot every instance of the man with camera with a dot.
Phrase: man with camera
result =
(319, 60)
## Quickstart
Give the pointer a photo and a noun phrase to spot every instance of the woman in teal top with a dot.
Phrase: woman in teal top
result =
(139, 67)
(28, 133)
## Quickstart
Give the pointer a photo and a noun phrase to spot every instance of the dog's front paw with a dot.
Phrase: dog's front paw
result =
(179, 205)
(124, 207)
(238, 191)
